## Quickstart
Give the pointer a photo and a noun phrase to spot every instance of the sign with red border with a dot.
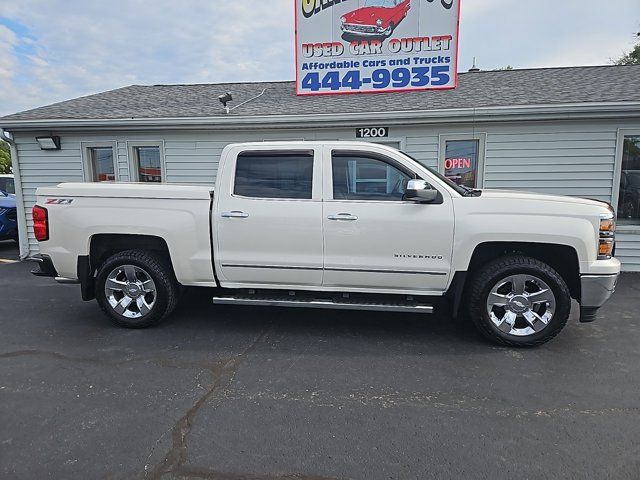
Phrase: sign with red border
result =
(369, 46)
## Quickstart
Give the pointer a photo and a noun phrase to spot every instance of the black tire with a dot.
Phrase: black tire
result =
(490, 274)
(159, 270)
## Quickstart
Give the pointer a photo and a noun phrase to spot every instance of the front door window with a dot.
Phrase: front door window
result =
(361, 177)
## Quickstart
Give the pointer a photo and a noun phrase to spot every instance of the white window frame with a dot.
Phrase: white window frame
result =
(482, 151)
(132, 158)
(87, 164)
(617, 174)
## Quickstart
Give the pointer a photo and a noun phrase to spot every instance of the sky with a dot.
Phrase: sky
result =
(54, 50)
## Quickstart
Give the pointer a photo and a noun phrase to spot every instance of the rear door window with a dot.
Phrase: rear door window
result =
(281, 175)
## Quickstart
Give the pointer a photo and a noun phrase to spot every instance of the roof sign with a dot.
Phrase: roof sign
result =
(366, 46)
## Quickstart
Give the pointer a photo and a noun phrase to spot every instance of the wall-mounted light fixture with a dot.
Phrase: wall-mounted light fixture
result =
(224, 99)
(49, 143)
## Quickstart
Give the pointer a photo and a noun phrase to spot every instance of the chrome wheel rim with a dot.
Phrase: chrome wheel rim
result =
(521, 305)
(130, 291)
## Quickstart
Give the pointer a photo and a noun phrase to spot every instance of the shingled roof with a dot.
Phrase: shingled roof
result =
(545, 86)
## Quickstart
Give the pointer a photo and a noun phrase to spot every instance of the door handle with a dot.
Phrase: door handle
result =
(343, 217)
(235, 214)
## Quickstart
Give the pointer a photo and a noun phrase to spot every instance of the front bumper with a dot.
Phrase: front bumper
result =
(363, 30)
(595, 291)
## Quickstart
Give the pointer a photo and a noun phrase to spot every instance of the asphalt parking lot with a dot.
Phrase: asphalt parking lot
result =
(247, 393)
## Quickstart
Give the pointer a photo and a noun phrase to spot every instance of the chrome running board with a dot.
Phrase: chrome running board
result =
(263, 301)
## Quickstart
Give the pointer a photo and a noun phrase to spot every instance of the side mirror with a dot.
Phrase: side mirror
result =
(421, 192)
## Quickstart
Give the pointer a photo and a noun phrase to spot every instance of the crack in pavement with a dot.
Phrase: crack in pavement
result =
(223, 373)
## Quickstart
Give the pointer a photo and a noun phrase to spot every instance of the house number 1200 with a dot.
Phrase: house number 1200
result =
(372, 132)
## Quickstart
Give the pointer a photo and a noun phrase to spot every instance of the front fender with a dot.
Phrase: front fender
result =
(543, 228)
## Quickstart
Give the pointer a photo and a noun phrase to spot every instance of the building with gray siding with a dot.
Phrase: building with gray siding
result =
(569, 131)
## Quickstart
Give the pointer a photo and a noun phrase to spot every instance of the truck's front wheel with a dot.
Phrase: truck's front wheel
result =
(136, 289)
(519, 301)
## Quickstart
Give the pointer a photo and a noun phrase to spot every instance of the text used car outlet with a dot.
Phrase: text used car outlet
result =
(345, 225)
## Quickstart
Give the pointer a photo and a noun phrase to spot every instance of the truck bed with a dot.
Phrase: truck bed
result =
(178, 215)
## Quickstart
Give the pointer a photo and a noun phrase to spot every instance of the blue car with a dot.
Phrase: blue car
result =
(8, 217)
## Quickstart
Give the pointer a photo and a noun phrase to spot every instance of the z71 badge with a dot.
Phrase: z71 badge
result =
(59, 201)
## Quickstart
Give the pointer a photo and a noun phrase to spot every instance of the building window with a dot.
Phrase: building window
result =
(461, 162)
(629, 197)
(146, 161)
(148, 164)
(361, 177)
(462, 159)
(286, 175)
(101, 164)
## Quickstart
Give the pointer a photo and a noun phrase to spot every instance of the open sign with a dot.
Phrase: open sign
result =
(454, 163)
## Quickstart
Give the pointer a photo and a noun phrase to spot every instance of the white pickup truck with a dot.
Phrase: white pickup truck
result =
(332, 225)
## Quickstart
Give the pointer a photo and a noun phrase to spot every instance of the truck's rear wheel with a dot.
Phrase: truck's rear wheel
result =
(136, 289)
(519, 301)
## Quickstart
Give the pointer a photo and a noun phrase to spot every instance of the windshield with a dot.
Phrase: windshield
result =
(461, 189)
(380, 3)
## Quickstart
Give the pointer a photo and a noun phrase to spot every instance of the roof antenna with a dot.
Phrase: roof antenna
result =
(474, 68)
(226, 98)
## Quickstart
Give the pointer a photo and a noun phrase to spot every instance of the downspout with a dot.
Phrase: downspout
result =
(22, 218)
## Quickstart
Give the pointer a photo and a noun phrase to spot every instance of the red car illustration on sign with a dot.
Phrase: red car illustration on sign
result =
(376, 18)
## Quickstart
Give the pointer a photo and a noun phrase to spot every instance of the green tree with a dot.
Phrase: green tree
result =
(5, 157)
(632, 57)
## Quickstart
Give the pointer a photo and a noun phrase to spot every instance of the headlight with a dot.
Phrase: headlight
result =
(3, 211)
(379, 22)
(607, 237)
